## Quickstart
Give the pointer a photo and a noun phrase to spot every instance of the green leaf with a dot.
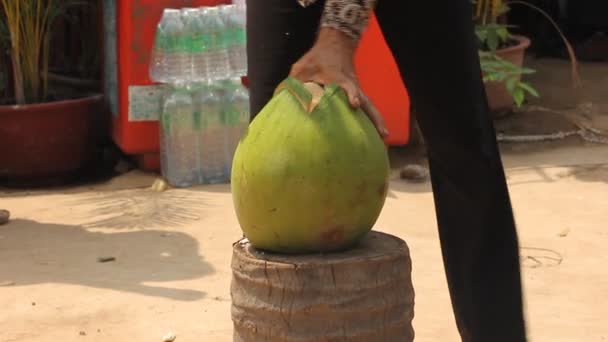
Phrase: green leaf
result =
(526, 70)
(529, 89)
(503, 33)
(501, 75)
(493, 40)
(490, 78)
(481, 35)
(511, 83)
(518, 96)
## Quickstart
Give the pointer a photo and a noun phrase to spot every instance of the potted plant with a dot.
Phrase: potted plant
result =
(502, 55)
(45, 135)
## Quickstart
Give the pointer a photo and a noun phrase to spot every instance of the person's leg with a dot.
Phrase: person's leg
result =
(279, 32)
(435, 48)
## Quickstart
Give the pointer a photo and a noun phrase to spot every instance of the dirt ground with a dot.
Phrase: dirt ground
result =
(172, 249)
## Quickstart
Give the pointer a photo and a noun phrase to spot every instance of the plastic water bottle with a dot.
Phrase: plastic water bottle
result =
(236, 118)
(170, 55)
(210, 135)
(241, 38)
(179, 139)
(218, 64)
(165, 29)
(236, 38)
(194, 29)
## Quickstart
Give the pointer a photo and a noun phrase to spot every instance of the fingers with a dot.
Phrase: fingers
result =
(303, 70)
(306, 70)
(352, 91)
(374, 115)
(358, 99)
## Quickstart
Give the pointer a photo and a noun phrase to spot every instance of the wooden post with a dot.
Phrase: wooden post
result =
(364, 294)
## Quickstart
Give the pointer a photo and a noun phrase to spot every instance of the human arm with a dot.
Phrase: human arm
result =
(331, 59)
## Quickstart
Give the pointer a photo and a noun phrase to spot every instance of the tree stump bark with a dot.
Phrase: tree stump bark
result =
(364, 294)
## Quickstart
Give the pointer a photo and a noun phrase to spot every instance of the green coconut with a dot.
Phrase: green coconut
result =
(310, 174)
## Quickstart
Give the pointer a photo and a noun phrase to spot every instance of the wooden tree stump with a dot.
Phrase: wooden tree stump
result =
(364, 294)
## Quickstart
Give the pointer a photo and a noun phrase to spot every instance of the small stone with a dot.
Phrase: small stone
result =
(82, 333)
(5, 216)
(170, 337)
(159, 185)
(33, 303)
(106, 259)
(564, 232)
(414, 173)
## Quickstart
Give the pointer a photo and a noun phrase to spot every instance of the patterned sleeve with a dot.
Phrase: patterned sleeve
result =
(348, 16)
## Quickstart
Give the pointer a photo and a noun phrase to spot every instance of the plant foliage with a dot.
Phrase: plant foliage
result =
(491, 36)
(28, 23)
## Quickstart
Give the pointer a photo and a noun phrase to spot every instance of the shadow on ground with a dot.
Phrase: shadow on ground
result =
(142, 208)
(134, 179)
(41, 253)
(591, 173)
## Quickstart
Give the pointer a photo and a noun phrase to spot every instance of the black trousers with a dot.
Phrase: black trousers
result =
(435, 48)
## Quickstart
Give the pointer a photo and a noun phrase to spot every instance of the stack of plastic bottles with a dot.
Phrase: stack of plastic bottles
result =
(200, 54)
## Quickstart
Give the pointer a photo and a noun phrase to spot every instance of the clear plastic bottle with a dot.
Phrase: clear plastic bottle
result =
(178, 138)
(197, 44)
(218, 63)
(236, 39)
(210, 135)
(170, 56)
(241, 39)
(236, 118)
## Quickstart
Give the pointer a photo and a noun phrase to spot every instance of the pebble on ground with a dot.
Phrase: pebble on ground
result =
(5, 215)
(414, 173)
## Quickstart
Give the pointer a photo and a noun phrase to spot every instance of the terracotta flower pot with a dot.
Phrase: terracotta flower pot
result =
(499, 98)
(47, 143)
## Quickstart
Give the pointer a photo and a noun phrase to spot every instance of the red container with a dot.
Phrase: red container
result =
(380, 80)
(47, 143)
(130, 27)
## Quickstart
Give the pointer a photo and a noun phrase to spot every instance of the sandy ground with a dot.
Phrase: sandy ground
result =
(172, 249)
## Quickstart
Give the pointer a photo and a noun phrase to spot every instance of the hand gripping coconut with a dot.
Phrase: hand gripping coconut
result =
(310, 174)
